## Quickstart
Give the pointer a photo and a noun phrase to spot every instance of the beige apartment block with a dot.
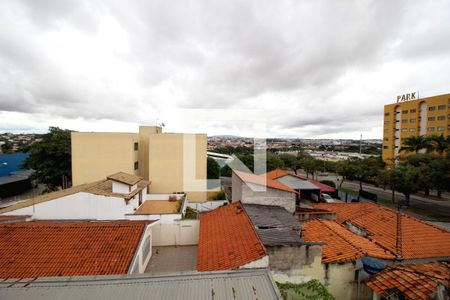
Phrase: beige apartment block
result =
(173, 162)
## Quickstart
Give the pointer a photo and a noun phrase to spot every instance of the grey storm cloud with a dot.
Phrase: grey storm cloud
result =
(326, 64)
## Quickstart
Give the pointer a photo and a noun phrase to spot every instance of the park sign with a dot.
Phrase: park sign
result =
(408, 97)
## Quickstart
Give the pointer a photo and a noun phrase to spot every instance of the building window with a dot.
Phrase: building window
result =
(386, 114)
(440, 118)
(386, 131)
(385, 147)
(430, 128)
(431, 108)
(431, 118)
(412, 130)
(136, 165)
(412, 120)
(404, 111)
(405, 121)
(441, 107)
(404, 129)
(136, 146)
(386, 122)
(412, 110)
(441, 128)
(386, 139)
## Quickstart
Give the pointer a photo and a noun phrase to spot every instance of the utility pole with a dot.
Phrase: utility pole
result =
(360, 144)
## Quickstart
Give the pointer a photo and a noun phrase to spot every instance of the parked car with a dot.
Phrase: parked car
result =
(326, 198)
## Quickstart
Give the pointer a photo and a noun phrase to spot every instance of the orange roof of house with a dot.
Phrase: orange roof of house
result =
(406, 236)
(227, 239)
(261, 180)
(125, 178)
(341, 245)
(416, 281)
(277, 173)
(70, 248)
(151, 207)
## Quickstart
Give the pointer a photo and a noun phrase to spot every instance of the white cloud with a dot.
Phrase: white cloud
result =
(311, 68)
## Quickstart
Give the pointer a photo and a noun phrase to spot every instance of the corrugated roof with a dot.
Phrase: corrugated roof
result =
(417, 239)
(227, 239)
(274, 224)
(242, 284)
(341, 245)
(52, 248)
(416, 281)
(261, 180)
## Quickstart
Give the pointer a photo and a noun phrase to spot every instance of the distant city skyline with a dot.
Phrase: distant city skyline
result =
(317, 69)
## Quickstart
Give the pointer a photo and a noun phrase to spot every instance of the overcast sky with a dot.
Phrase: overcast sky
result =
(312, 69)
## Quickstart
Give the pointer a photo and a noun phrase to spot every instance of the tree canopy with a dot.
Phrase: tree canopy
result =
(50, 159)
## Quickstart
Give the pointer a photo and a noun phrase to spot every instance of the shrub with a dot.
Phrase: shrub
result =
(329, 183)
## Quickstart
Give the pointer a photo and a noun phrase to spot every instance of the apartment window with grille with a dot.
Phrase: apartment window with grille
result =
(412, 120)
(136, 146)
(431, 118)
(412, 130)
(412, 110)
(136, 165)
(441, 128)
(430, 129)
(441, 107)
(440, 118)
(431, 108)
(404, 129)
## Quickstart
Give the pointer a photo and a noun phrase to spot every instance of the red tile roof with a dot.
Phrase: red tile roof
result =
(416, 281)
(341, 245)
(227, 239)
(406, 236)
(10, 219)
(261, 180)
(277, 173)
(51, 248)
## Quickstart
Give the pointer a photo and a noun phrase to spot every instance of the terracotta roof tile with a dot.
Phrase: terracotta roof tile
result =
(261, 180)
(416, 281)
(417, 239)
(277, 173)
(101, 187)
(125, 178)
(51, 248)
(341, 244)
(227, 239)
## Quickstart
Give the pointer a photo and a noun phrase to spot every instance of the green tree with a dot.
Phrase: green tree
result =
(225, 171)
(404, 179)
(7, 147)
(273, 162)
(50, 159)
(367, 168)
(290, 161)
(439, 144)
(212, 168)
(415, 144)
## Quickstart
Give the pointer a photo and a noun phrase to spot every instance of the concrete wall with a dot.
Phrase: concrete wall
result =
(142, 256)
(167, 161)
(257, 264)
(95, 155)
(81, 206)
(180, 233)
(207, 205)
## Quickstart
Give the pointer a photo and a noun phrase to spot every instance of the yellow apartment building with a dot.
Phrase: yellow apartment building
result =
(173, 162)
(413, 117)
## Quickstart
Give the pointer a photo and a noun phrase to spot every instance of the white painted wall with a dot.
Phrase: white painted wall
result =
(257, 264)
(207, 205)
(121, 188)
(140, 261)
(81, 206)
(178, 233)
(162, 196)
